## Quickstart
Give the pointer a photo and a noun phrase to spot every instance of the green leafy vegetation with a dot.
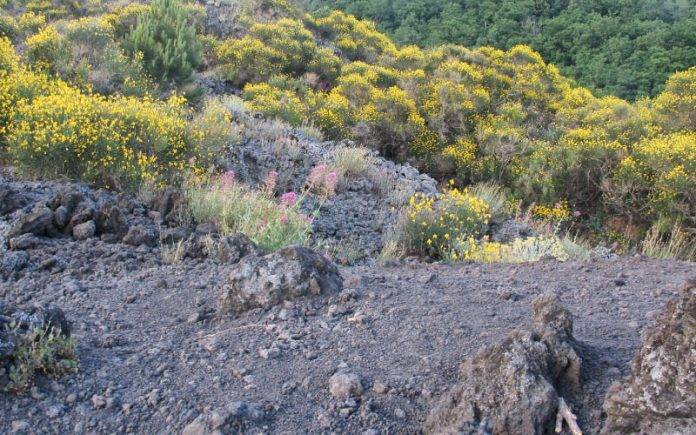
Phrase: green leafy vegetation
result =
(626, 48)
(40, 352)
(166, 39)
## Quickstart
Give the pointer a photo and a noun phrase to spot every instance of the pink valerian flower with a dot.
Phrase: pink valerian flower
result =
(284, 219)
(323, 181)
(288, 199)
(227, 179)
(270, 182)
(316, 176)
(577, 213)
(330, 182)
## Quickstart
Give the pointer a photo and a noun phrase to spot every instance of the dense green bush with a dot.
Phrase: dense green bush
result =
(166, 38)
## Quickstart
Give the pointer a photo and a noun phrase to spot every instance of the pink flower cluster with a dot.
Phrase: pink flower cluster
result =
(322, 180)
(270, 182)
(289, 199)
(227, 180)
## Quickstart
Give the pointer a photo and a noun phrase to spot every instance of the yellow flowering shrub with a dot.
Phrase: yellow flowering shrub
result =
(275, 102)
(30, 23)
(676, 105)
(658, 180)
(8, 26)
(20, 88)
(527, 250)
(249, 60)
(357, 39)
(9, 61)
(117, 141)
(574, 168)
(46, 49)
(436, 226)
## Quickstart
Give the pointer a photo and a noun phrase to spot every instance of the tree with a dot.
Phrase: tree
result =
(167, 41)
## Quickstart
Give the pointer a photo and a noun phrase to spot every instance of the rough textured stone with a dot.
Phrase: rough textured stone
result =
(262, 282)
(226, 249)
(235, 417)
(38, 222)
(659, 396)
(25, 241)
(514, 386)
(84, 231)
(345, 385)
(140, 235)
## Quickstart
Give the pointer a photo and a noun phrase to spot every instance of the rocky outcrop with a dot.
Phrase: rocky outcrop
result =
(659, 396)
(290, 273)
(517, 385)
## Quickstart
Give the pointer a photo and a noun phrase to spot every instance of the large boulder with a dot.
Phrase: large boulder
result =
(659, 396)
(290, 273)
(517, 385)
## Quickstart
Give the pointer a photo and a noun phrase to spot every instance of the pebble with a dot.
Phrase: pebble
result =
(345, 385)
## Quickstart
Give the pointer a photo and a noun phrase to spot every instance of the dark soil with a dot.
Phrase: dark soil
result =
(154, 354)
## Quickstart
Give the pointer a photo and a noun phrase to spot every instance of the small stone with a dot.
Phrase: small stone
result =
(19, 426)
(345, 385)
(269, 353)
(24, 242)
(84, 231)
(379, 387)
(399, 413)
(619, 282)
(72, 398)
(427, 278)
(98, 402)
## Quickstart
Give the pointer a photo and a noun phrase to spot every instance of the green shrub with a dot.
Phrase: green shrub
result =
(658, 180)
(167, 39)
(40, 351)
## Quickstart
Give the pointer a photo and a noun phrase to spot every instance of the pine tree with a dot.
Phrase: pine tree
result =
(167, 41)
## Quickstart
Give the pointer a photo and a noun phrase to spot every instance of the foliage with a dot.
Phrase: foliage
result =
(119, 141)
(676, 245)
(625, 48)
(167, 40)
(658, 180)
(41, 351)
(527, 250)
(9, 61)
(435, 226)
(236, 208)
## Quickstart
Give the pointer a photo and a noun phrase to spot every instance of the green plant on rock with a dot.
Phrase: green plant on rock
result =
(41, 351)
(167, 39)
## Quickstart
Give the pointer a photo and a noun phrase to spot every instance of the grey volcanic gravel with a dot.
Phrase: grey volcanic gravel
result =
(154, 354)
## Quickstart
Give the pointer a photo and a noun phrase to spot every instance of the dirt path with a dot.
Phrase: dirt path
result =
(154, 355)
